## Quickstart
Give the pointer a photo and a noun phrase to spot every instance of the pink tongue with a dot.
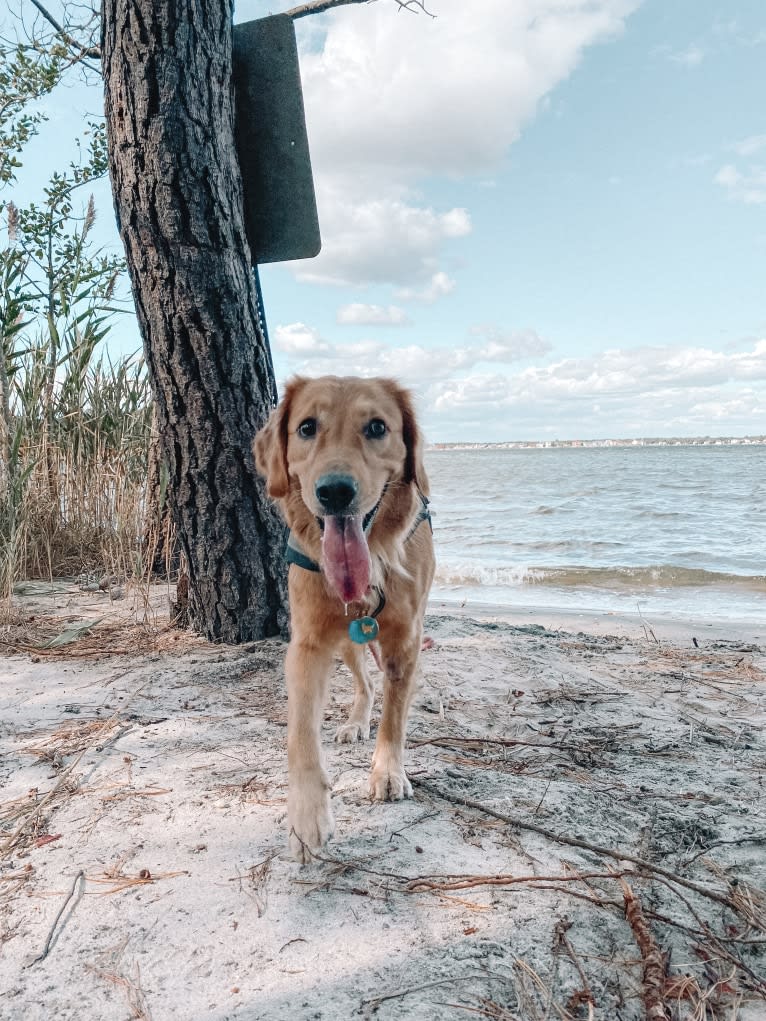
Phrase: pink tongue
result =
(345, 557)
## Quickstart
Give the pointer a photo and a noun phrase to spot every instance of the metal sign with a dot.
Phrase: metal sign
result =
(280, 205)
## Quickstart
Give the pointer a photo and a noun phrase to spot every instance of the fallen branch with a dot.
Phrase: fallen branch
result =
(618, 854)
(653, 975)
(437, 883)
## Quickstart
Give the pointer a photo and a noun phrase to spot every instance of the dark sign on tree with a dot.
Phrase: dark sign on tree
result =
(280, 207)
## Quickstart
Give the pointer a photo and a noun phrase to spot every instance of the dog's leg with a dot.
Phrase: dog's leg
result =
(388, 780)
(309, 813)
(357, 727)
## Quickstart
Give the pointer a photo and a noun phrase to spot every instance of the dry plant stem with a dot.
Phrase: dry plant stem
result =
(425, 883)
(45, 950)
(12, 840)
(608, 852)
(508, 742)
(718, 941)
(377, 1000)
(562, 940)
(653, 975)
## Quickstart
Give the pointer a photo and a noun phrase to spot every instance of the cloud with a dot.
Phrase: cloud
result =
(615, 373)
(393, 100)
(438, 286)
(309, 353)
(381, 104)
(379, 240)
(748, 186)
(358, 314)
(750, 145)
(692, 56)
(297, 339)
(500, 346)
(641, 391)
(488, 390)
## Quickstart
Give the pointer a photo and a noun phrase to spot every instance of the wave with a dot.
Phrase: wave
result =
(658, 576)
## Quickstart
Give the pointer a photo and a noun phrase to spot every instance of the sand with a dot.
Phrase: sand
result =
(143, 864)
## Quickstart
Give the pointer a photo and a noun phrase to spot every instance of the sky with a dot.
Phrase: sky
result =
(547, 217)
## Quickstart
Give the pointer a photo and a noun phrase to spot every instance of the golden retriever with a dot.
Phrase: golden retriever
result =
(343, 459)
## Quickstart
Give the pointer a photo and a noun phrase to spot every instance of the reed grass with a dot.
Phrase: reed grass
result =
(75, 426)
(75, 494)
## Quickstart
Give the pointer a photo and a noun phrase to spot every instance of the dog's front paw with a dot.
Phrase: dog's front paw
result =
(388, 781)
(350, 732)
(309, 816)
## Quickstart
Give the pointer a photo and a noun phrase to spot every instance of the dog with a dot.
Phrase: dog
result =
(343, 459)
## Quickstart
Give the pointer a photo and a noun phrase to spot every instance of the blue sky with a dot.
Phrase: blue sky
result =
(547, 217)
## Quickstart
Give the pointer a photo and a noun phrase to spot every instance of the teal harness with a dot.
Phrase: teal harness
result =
(362, 629)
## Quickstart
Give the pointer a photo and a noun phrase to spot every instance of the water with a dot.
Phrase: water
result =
(676, 530)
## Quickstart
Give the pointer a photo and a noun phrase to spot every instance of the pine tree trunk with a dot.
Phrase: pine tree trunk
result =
(178, 197)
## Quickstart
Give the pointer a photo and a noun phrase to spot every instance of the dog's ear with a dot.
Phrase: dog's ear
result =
(270, 445)
(414, 468)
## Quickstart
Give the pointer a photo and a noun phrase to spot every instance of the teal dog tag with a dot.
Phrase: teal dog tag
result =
(363, 630)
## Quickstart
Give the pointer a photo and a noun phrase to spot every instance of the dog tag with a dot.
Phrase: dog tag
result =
(363, 630)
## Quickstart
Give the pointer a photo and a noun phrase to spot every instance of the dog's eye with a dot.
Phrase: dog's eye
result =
(375, 428)
(307, 428)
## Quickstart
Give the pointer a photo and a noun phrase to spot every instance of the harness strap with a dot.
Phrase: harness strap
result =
(295, 555)
(424, 514)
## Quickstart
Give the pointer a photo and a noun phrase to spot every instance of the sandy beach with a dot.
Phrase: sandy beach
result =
(586, 840)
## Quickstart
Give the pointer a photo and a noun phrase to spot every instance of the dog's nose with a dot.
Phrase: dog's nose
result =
(336, 492)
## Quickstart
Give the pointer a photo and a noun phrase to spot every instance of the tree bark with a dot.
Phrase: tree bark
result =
(178, 198)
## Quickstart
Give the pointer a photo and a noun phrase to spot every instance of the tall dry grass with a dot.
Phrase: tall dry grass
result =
(75, 426)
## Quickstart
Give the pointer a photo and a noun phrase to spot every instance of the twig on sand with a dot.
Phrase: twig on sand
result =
(583, 995)
(608, 852)
(375, 1001)
(447, 741)
(647, 629)
(45, 950)
(439, 883)
(653, 975)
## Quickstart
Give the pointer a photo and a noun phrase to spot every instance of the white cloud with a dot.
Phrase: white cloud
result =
(392, 100)
(413, 363)
(381, 240)
(750, 145)
(481, 391)
(437, 287)
(358, 314)
(299, 340)
(748, 186)
(692, 56)
(389, 96)
(640, 391)
(509, 347)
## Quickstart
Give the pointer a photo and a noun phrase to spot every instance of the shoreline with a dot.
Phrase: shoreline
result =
(667, 627)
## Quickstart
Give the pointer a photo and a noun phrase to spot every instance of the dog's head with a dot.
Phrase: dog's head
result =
(333, 446)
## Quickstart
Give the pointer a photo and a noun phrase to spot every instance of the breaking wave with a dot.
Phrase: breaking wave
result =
(661, 576)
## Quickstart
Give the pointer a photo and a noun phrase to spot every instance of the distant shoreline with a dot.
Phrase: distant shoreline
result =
(680, 441)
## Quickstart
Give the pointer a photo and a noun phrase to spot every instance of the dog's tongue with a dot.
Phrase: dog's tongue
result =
(345, 557)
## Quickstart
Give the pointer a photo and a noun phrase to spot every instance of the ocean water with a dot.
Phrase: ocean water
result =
(675, 530)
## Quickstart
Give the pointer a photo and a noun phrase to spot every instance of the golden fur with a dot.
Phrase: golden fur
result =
(389, 470)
